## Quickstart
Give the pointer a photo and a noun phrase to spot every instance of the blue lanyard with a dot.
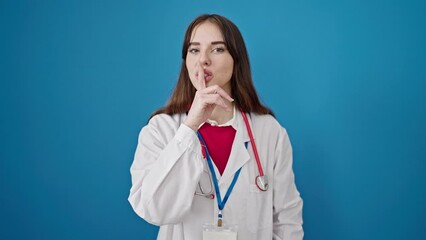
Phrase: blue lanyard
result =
(220, 203)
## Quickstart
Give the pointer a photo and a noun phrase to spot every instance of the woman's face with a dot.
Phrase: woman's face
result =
(207, 48)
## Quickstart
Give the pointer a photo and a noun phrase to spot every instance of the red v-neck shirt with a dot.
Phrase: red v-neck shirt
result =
(219, 143)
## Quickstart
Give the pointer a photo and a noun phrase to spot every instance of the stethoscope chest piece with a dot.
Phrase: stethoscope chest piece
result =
(262, 183)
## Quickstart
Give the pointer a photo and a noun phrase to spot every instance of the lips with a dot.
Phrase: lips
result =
(208, 75)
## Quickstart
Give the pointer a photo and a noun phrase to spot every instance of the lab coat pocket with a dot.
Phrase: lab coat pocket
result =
(259, 209)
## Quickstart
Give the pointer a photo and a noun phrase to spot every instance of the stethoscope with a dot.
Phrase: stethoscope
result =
(261, 180)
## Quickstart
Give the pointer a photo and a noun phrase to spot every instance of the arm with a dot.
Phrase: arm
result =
(287, 201)
(165, 171)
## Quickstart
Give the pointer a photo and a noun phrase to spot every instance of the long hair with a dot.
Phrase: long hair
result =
(242, 88)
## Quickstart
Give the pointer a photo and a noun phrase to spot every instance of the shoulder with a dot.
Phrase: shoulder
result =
(267, 121)
(163, 125)
(166, 120)
(268, 127)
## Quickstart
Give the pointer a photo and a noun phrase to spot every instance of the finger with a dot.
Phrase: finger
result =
(201, 79)
(216, 100)
(220, 91)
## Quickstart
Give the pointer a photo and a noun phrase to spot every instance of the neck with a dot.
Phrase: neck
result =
(221, 116)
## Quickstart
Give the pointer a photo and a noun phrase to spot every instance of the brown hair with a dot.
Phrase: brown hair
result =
(242, 88)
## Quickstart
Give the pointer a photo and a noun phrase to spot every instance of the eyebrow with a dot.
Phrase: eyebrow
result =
(212, 43)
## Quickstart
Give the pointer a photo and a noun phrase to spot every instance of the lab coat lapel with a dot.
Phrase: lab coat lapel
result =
(239, 153)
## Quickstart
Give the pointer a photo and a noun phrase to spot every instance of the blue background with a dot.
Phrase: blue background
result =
(80, 78)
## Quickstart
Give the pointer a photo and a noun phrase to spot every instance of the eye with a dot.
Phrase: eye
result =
(193, 50)
(218, 50)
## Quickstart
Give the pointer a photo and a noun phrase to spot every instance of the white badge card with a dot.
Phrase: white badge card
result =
(226, 232)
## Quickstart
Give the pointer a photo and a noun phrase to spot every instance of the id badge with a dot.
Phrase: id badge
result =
(226, 232)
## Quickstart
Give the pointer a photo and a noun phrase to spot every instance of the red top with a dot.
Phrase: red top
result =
(219, 143)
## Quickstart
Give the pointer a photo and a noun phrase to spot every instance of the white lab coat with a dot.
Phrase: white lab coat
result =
(168, 164)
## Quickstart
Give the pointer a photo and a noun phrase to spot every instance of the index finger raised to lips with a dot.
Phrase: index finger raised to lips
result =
(200, 77)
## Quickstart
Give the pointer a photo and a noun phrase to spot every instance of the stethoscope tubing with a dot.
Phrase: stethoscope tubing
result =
(261, 180)
(253, 144)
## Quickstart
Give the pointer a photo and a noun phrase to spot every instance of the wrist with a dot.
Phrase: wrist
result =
(194, 127)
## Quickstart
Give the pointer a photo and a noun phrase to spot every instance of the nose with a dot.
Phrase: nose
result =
(204, 59)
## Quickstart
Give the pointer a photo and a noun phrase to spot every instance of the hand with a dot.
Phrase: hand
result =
(205, 101)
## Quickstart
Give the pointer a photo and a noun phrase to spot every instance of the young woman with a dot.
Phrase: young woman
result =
(214, 160)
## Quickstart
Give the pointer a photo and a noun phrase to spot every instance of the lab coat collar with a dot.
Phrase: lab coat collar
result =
(239, 154)
(231, 121)
(240, 126)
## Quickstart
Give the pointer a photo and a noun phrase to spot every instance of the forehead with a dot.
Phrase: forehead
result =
(206, 32)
